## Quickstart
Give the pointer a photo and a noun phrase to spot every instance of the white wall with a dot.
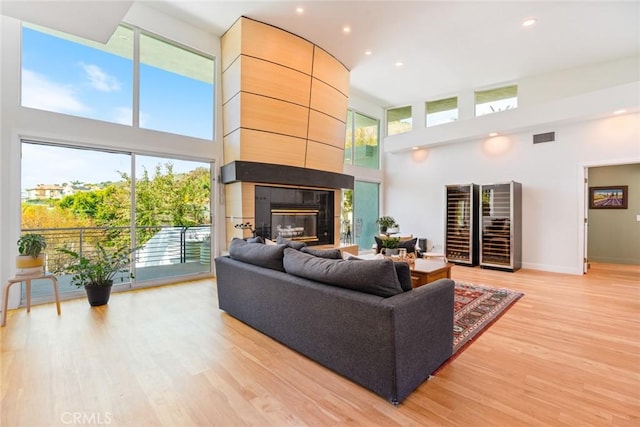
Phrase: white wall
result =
(17, 122)
(550, 173)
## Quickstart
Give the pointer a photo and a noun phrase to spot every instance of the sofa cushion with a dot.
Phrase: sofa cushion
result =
(290, 243)
(403, 271)
(256, 239)
(323, 253)
(268, 256)
(377, 277)
(404, 275)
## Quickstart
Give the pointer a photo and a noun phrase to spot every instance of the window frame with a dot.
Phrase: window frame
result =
(388, 122)
(488, 92)
(353, 156)
(137, 32)
(441, 100)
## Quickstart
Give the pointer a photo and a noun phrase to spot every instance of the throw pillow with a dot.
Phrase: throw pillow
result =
(378, 244)
(403, 271)
(404, 275)
(290, 243)
(377, 277)
(323, 253)
(268, 256)
(409, 245)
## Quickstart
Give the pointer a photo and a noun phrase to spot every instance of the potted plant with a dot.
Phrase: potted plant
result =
(30, 260)
(390, 245)
(96, 273)
(385, 222)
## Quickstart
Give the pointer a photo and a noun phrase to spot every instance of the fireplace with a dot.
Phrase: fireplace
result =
(294, 222)
(295, 214)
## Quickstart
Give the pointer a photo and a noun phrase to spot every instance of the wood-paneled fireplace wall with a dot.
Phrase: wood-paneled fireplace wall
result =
(284, 102)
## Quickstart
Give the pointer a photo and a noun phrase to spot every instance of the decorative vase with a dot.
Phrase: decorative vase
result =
(390, 252)
(27, 265)
(98, 294)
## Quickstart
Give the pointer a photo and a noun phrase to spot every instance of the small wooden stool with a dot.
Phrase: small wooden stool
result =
(27, 280)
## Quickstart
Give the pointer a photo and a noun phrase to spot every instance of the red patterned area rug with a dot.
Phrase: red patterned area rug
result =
(475, 309)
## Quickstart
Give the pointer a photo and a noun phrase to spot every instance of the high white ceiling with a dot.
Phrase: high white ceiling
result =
(446, 46)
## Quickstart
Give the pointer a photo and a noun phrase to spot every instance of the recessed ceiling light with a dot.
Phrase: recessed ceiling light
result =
(529, 22)
(299, 10)
(368, 52)
(399, 64)
(622, 111)
(415, 148)
(493, 134)
(346, 29)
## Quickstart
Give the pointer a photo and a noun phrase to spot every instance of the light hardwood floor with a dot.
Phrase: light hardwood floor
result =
(566, 354)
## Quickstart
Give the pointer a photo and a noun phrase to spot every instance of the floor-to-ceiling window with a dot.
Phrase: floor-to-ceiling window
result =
(366, 199)
(360, 205)
(361, 146)
(172, 217)
(78, 197)
(144, 88)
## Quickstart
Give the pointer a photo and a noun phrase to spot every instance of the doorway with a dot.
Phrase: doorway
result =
(611, 234)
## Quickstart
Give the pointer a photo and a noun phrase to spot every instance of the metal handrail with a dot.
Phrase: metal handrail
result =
(159, 245)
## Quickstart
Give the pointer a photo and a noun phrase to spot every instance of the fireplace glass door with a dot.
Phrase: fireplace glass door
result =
(295, 224)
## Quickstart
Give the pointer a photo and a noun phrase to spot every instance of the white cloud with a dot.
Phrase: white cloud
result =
(124, 116)
(43, 94)
(100, 80)
(144, 119)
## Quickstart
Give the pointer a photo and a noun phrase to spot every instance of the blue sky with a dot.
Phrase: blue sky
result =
(66, 77)
(72, 78)
(46, 164)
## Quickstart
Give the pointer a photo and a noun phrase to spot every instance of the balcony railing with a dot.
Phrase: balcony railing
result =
(164, 251)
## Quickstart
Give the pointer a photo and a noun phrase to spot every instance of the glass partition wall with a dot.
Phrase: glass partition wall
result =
(77, 197)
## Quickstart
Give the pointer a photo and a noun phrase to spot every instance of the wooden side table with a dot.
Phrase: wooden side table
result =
(27, 280)
(427, 271)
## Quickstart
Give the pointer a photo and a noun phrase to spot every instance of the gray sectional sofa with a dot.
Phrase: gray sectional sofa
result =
(352, 316)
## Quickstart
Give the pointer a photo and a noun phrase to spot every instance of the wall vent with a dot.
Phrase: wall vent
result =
(544, 137)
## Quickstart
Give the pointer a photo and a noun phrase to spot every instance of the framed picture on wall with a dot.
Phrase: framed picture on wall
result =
(609, 197)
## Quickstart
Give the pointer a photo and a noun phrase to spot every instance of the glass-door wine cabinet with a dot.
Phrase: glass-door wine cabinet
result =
(500, 234)
(461, 224)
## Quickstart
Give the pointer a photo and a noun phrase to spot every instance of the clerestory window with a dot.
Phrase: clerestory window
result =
(495, 100)
(441, 111)
(399, 120)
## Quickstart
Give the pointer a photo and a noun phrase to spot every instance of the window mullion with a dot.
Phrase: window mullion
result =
(136, 78)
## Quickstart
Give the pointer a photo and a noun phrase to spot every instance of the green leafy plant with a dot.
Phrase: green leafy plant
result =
(100, 268)
(385, 222)
(391, 242)
(31, 244)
